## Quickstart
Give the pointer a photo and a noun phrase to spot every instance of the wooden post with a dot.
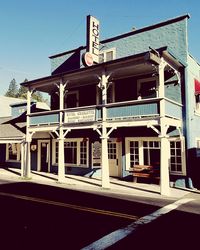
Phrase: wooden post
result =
(27, 151)
(61, 152)
(104, 137)
(164, 142)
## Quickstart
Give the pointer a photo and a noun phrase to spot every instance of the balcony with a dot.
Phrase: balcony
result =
(115, 111)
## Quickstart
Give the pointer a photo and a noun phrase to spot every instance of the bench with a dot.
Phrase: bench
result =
(144, 171)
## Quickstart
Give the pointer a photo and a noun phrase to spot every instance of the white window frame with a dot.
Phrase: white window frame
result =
(141, 151)
(78, 159)
(104, 52)
(18, 152)
(144, 80)
(183, 160)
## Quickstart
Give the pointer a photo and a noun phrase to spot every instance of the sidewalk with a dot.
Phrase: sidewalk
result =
(92, 185)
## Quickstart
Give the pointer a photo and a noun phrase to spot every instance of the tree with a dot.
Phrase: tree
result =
(37, 96)
(12, 89)
(22, 92)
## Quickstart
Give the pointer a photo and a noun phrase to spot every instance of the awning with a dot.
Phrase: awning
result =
(197, 86)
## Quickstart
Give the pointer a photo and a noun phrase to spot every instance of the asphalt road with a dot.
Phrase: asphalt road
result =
(37, 216)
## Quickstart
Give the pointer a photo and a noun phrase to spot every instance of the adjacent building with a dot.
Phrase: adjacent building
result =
(138, 105)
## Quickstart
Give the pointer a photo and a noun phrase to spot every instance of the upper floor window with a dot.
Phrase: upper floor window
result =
(107, 55)
(72, 99)
(147, 88)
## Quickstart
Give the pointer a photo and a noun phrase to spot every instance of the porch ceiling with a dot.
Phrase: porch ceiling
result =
(139, 64)
(119, 68)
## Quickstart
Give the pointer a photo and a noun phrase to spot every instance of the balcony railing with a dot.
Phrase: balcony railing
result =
(115, 111)
(44, 118)
(133, 109)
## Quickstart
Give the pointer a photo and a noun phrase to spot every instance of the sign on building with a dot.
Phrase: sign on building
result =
(92, 54)
(80, 116)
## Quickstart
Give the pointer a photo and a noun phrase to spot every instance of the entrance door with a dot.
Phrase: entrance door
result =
(113, 158)
(43, 156)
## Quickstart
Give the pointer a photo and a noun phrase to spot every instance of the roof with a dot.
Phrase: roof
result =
(144, 29)
(9, 132)
(5, 103)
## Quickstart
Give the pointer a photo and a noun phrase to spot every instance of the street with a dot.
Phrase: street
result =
(46, 217)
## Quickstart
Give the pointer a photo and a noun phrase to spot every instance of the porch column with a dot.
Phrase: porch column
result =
(165, 146)
(61, 158)
(61, 153)
(161, 87)
(104, 138)
(22, 158)
(27, 151)
(164, 166)
(27, 160)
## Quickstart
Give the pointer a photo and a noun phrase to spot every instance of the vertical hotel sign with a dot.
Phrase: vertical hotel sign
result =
(92, 55)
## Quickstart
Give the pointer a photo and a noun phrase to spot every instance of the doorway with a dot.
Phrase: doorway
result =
(114, 159)
(43, 156)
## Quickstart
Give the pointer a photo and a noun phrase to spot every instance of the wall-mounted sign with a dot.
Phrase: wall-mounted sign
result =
(80, 116)
(87, 59)
(93, 38)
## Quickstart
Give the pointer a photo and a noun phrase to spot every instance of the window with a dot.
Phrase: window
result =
(147, 88)
(112, 150)
(147, 151)
(83, 152)
(75, 150)
(70, 149)
(110, 94)
(134, 153)
(176, 156)
(151, 151)
(71, 99)
(13, 152)
(107, 55)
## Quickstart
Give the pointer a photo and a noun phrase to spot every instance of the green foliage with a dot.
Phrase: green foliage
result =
(12, 89)
(21, 92)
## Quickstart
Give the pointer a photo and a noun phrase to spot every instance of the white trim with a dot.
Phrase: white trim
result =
(18, 152)
(78, 141)
(104, 52)
(141, 156)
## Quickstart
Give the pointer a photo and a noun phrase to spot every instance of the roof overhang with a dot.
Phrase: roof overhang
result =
(143, 63)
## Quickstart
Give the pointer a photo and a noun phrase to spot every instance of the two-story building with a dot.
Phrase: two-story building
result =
(139, 105)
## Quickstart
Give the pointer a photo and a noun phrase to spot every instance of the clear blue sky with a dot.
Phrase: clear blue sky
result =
(32, 30)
